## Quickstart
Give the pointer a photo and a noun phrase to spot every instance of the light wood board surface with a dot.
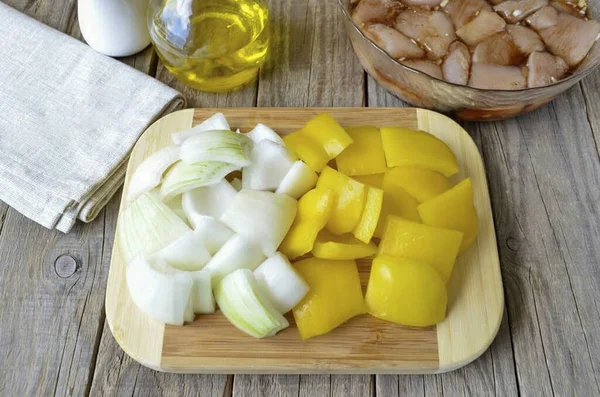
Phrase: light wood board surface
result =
(543, 170)
(364, 344)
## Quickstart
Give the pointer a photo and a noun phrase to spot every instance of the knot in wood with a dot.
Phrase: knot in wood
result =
(513, 244)
(65, 266)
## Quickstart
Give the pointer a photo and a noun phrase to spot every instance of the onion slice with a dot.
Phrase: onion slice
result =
(270, 162)
(237, 253)
(163, 295)
(245, 305)
(262, 217)
(186, 253)
(212, 232)
(208, 200)
(215, 122)
(284, 287)
(182, 177)
(217, 145)
(147, 226)
(299, 180)
(262, 132)
(149, 173)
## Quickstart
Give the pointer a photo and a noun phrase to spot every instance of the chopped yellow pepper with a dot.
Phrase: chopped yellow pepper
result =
(350, 200)
(370, 216)
(432, 245)
(308, 151)
(314, 210)
(324, 130)
(320, 140)
(404, 147)
(365, 156)
(406, 292)
(421, 183)
(335, 296)
(453, 209)
(346, 246)
(396, 202)
(375, 180)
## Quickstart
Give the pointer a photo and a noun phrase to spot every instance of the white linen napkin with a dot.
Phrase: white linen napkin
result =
(68, 119)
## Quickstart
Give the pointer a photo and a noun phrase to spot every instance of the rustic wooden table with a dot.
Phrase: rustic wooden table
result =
(544, 174)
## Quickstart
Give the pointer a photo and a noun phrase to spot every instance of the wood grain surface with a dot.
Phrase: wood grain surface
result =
(546, 209)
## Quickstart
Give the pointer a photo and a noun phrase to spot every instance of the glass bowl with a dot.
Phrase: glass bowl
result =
(463, 102)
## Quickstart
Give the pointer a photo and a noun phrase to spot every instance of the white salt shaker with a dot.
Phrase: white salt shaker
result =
(114, 27)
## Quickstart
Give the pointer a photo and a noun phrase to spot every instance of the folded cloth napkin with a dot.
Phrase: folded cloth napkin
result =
(68, 120)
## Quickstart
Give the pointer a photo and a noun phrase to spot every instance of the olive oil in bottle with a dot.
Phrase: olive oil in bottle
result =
(211, 45)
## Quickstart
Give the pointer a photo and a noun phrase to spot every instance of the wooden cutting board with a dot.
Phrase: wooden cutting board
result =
(362, 345)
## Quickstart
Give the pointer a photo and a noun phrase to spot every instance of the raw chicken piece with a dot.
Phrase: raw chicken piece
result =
(431, 68)
(384, 11)
(516, 10)
(544, 18)
(393, 42)
(525, 39)
(457, 64)
(496, 77)
(462, 11)
(545, 69)
(567, 36)
(498, 49)
(484, 25)
(427, 3)
(432, 29)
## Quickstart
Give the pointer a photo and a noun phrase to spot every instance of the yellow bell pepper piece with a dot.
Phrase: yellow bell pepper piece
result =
(432, 245)
(370, 216)
(346, 246)
(335, 296)
(375, 180)
(350, 200)
(396, 202)
(324, 130)
(308, 151)
(421, 183)
(404, 147)
(314, 210)
(453, 209)
(365, 156)
(320, 140)
(406, 292)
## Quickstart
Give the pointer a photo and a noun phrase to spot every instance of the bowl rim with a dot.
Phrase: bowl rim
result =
(573, 77)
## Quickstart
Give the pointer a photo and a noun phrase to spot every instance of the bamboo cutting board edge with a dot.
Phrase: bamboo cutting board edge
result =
(460, 339)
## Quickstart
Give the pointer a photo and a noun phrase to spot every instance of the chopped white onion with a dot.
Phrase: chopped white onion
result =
(262, 132)
(162, 295)
(217, 145)
(147, 225)
(149, 173)
(203, 300)
(212, 232)
(299, 180)
(186, 253)
(208, 200)
(245, 305)
(182, 177)
(215, 122)
(237, 253)
(270, 162)
(284, 287)
(263, 217)
(176, 206)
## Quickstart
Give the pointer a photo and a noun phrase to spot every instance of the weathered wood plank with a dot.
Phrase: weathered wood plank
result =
(546, 188)
(589, 86)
